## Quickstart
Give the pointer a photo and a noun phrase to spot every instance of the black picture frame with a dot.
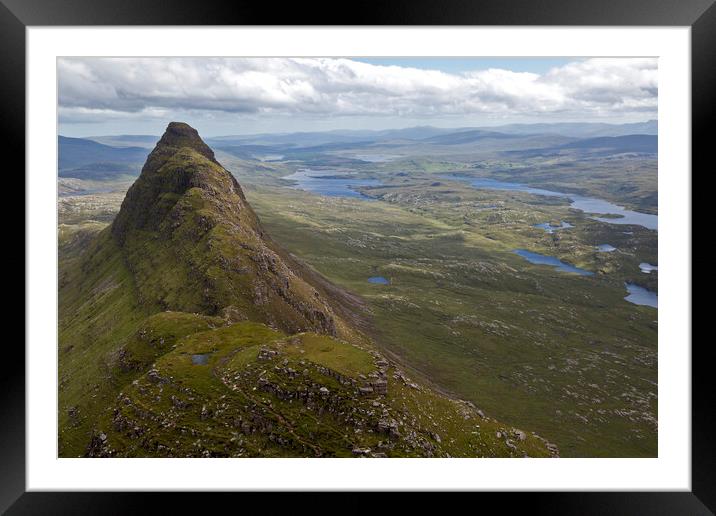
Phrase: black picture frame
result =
(16, 15)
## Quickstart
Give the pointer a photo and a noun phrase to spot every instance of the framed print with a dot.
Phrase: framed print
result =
(409, 249)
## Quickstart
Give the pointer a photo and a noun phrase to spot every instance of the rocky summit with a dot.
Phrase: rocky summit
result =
(194, 244)
(185, 331)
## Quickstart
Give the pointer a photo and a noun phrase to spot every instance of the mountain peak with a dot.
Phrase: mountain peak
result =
(194, 244)
(179, 162)
(180, 134)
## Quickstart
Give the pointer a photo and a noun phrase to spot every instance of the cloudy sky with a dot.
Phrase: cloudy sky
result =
(221, 96)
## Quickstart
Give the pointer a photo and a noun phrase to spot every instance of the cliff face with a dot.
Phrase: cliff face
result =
(193, 243)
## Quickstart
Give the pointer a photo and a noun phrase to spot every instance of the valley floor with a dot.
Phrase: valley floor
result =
(561, 354)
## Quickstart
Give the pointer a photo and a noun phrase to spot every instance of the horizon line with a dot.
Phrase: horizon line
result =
(458, 128)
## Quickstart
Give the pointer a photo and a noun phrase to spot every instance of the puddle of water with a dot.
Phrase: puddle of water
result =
(379, 280)
(201, 359)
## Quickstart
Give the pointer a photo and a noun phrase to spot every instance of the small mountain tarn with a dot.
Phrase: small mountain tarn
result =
(185, 331)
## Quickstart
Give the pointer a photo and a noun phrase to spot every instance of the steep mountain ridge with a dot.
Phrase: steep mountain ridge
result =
(185, 331)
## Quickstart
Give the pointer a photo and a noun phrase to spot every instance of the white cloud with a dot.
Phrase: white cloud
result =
(153, 87)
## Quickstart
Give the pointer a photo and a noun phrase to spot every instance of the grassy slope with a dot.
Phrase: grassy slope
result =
(245, 402)
(92, 320)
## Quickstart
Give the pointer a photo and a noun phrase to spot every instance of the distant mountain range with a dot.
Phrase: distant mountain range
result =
(102, 157)
(469, 136)
(310, 138)
(573, 130)
(645, 143)
(86, 159)
(603, 145)
(582, 130)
